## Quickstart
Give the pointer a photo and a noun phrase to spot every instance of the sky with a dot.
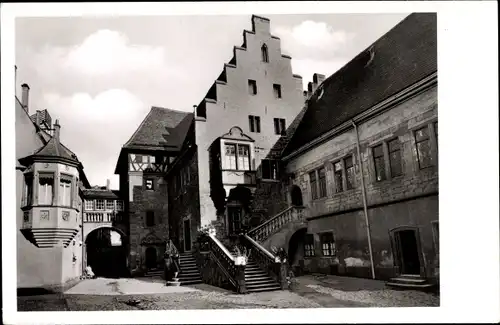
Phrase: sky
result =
(100, 76)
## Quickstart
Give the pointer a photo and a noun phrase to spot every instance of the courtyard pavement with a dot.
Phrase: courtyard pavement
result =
(150, 294)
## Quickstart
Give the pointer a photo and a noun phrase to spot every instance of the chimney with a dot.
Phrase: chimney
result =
(57, 131)
(310, 89)
(318, 79)
(25, 96)
(107, 184)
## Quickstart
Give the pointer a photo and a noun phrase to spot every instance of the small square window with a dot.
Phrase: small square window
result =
(150, 218)
(277, 91)
(149, 184)
(252, 87)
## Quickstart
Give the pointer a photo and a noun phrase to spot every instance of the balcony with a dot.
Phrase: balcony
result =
(102, 216)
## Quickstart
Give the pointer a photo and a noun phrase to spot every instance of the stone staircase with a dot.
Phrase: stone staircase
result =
(257, 280)
(189, 274)
(414, 282)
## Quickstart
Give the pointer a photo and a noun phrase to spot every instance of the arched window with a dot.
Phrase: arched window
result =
(265, 54)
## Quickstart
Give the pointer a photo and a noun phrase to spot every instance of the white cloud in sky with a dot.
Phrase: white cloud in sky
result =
(96, 128)
(312, 39)
(107, 52)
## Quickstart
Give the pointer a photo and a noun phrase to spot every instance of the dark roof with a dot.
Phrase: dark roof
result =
(54, 148)
(95, 193)
(400, 58)
(161, 129)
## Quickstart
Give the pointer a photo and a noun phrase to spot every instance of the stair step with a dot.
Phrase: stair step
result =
(408, 280)
(410, 285)
(194, 266)
(190, 282)
(263, 286)
(263, 281)
(264, 289)
(256, 277)
(254, 271)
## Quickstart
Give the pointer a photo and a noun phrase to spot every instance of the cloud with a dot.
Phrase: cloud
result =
(107, 52)
(95, 128)
(312, 39)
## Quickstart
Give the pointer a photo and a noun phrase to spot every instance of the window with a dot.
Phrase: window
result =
(322, 182)
(277, 90)
(138, 158)
(337, 176)
(119, 205)
(243, 157)
(423, 147)
(264, 53)
(279, 126)
(309, 245)
(65, 191)
(269, 169)
(349, 172)
(254, 122)
(99, 204)
(395, 158)
(378, 158)
(149, 184)
(312, 183)
(237, 157)
(252, 87)
(327, 244)
(230, 158)
(89, 205)
(45, 189)
(28, 189)
(110, 205)
(150, 218)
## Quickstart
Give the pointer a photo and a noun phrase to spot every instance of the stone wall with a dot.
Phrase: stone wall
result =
(143, 201)
(408, 200)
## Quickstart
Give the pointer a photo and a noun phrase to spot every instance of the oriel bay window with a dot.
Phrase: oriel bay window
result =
(45, 188)
(64, 194)
(237, 157)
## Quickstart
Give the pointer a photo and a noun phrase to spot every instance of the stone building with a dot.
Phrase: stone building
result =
(359, 175)
(49, 190)
(104, 232)
(141, 166)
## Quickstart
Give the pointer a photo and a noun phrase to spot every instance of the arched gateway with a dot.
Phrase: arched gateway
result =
(106, 252)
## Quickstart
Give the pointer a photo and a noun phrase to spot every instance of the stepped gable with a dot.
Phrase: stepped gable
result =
(403, 56)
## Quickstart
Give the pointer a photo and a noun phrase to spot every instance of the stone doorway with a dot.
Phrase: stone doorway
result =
(151, 258)
(407, 252)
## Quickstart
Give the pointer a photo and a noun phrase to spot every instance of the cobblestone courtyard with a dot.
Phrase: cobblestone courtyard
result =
(147, 294)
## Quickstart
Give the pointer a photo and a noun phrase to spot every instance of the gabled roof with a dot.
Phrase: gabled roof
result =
(403, 56)
(161, 129)
(95, 193)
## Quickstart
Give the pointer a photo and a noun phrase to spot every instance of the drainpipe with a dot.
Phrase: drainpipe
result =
(364, 200)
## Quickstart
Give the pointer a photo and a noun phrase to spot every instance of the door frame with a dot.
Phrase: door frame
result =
(188, 219)
(150, 248)
(396, 252)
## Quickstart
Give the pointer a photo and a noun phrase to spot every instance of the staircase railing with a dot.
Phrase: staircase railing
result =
(271, 226)
(276, 269)
(226, 262)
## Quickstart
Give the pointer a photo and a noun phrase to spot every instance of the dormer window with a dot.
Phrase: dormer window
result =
(264, 53)
(45, 189)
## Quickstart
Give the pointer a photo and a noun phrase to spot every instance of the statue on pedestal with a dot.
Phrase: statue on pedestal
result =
(171, 258)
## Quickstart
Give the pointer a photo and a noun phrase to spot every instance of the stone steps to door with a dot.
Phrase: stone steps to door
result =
(410, 282)
(257, 280)
(189, 273)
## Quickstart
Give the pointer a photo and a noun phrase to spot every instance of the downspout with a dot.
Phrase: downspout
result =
(365, 208)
